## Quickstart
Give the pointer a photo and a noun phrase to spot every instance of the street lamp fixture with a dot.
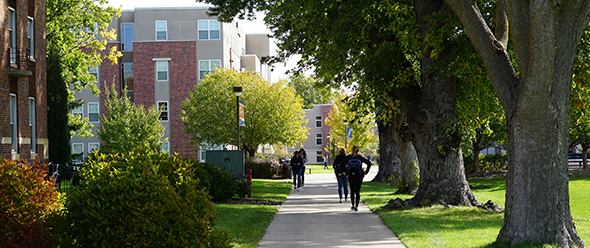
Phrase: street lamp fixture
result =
(238, 91)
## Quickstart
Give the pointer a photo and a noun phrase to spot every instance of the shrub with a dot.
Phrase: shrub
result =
(140, 199)
(222, 185)
(263, 167)
(29, 207)
(494, 162)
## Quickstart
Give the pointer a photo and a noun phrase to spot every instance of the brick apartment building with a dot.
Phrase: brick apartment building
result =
(23, 99)
(166, 51)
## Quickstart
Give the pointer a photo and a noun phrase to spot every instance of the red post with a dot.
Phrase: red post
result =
(249, 178)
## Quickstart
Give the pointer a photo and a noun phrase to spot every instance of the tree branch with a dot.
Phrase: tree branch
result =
(493, 53)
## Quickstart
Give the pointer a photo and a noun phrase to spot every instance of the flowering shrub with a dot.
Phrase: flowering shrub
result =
(263, 167)
(29, 207)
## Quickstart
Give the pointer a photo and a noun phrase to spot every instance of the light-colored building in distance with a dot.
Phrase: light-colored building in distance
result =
(166, 51)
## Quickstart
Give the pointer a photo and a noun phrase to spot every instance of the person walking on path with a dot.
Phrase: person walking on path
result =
(296, 168)
(356, 174)
(303, 156)
(341, 175)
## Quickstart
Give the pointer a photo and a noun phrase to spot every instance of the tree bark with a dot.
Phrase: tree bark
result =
(536, 102)
(389, 161)
(584, 153)
(442, 175)
(409, 166)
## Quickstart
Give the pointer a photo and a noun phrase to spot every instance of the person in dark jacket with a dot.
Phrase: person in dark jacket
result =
(341, 175)
(355, 177)
(303, 156)
(296, 164)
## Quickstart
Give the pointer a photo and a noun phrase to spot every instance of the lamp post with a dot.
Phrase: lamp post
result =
(238, 91)
(329, 135)
(345, 121)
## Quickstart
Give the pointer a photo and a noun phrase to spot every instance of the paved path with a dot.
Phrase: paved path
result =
(313, 217)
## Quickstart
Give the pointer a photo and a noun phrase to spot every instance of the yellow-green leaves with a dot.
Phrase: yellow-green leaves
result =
(273, 113)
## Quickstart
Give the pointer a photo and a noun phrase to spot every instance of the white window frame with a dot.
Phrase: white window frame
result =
(124, 44)
(167, 110)
(167, 71)
(123, 79)
(167, 144)
(11, 33)
(210, 67)
(318, 119)
(91, 144)
(319, 156)
(208, 29)
(77, 144)
(97, 112)
(93, 70)
(13, 123)
(78, 111)
(32, 124)
(319, 137)
(165, 29)
(31, 36)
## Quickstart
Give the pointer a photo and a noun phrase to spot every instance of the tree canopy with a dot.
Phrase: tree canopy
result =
(362, 127)
(273, 112)
(311, 92)
(126, 125)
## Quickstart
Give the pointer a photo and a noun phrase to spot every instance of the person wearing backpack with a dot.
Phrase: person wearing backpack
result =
(340, 171)
(355, 175)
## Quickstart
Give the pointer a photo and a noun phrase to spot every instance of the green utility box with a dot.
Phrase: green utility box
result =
(231, 160)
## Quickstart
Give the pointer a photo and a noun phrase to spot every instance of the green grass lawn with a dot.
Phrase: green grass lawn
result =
(247, 223)
(318, 169)
(463, 227)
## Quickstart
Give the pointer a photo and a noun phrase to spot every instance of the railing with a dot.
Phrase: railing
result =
(65, 176)
(19, 59)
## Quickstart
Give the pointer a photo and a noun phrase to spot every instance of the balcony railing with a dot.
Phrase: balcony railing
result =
(20, 64)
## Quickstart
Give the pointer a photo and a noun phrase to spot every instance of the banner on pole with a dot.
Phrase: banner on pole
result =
(349, 132)
(242, 114)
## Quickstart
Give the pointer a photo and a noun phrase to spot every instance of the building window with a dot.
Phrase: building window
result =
(127, 76)
(161, 30)
(93, 112)
(208, 30)
(93, 70)
(93, 146)
(318, 121)
(77, 151)
(165, 147)
(78, 111)
(13, 124)
(318, 139)
(30, 37)
(127, 36)
(162, 70)
(318, 157)
(11, 35)
(163, 107)
(32, 125)
(206, 66)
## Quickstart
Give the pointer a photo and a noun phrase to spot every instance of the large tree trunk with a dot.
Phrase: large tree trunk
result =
(389, 161)
(409, 166)
(584, 154)
(442, 175)
(545, 36)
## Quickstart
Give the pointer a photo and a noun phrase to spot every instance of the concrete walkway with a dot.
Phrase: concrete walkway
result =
(313, 217)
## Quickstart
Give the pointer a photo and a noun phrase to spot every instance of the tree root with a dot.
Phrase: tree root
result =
(398, 203)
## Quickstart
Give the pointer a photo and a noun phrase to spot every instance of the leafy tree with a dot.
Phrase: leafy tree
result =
(311, 92)
(273, 114)
(362, 126)
(77, 33)
(127, 125)
(536, 101)
(579, 128)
